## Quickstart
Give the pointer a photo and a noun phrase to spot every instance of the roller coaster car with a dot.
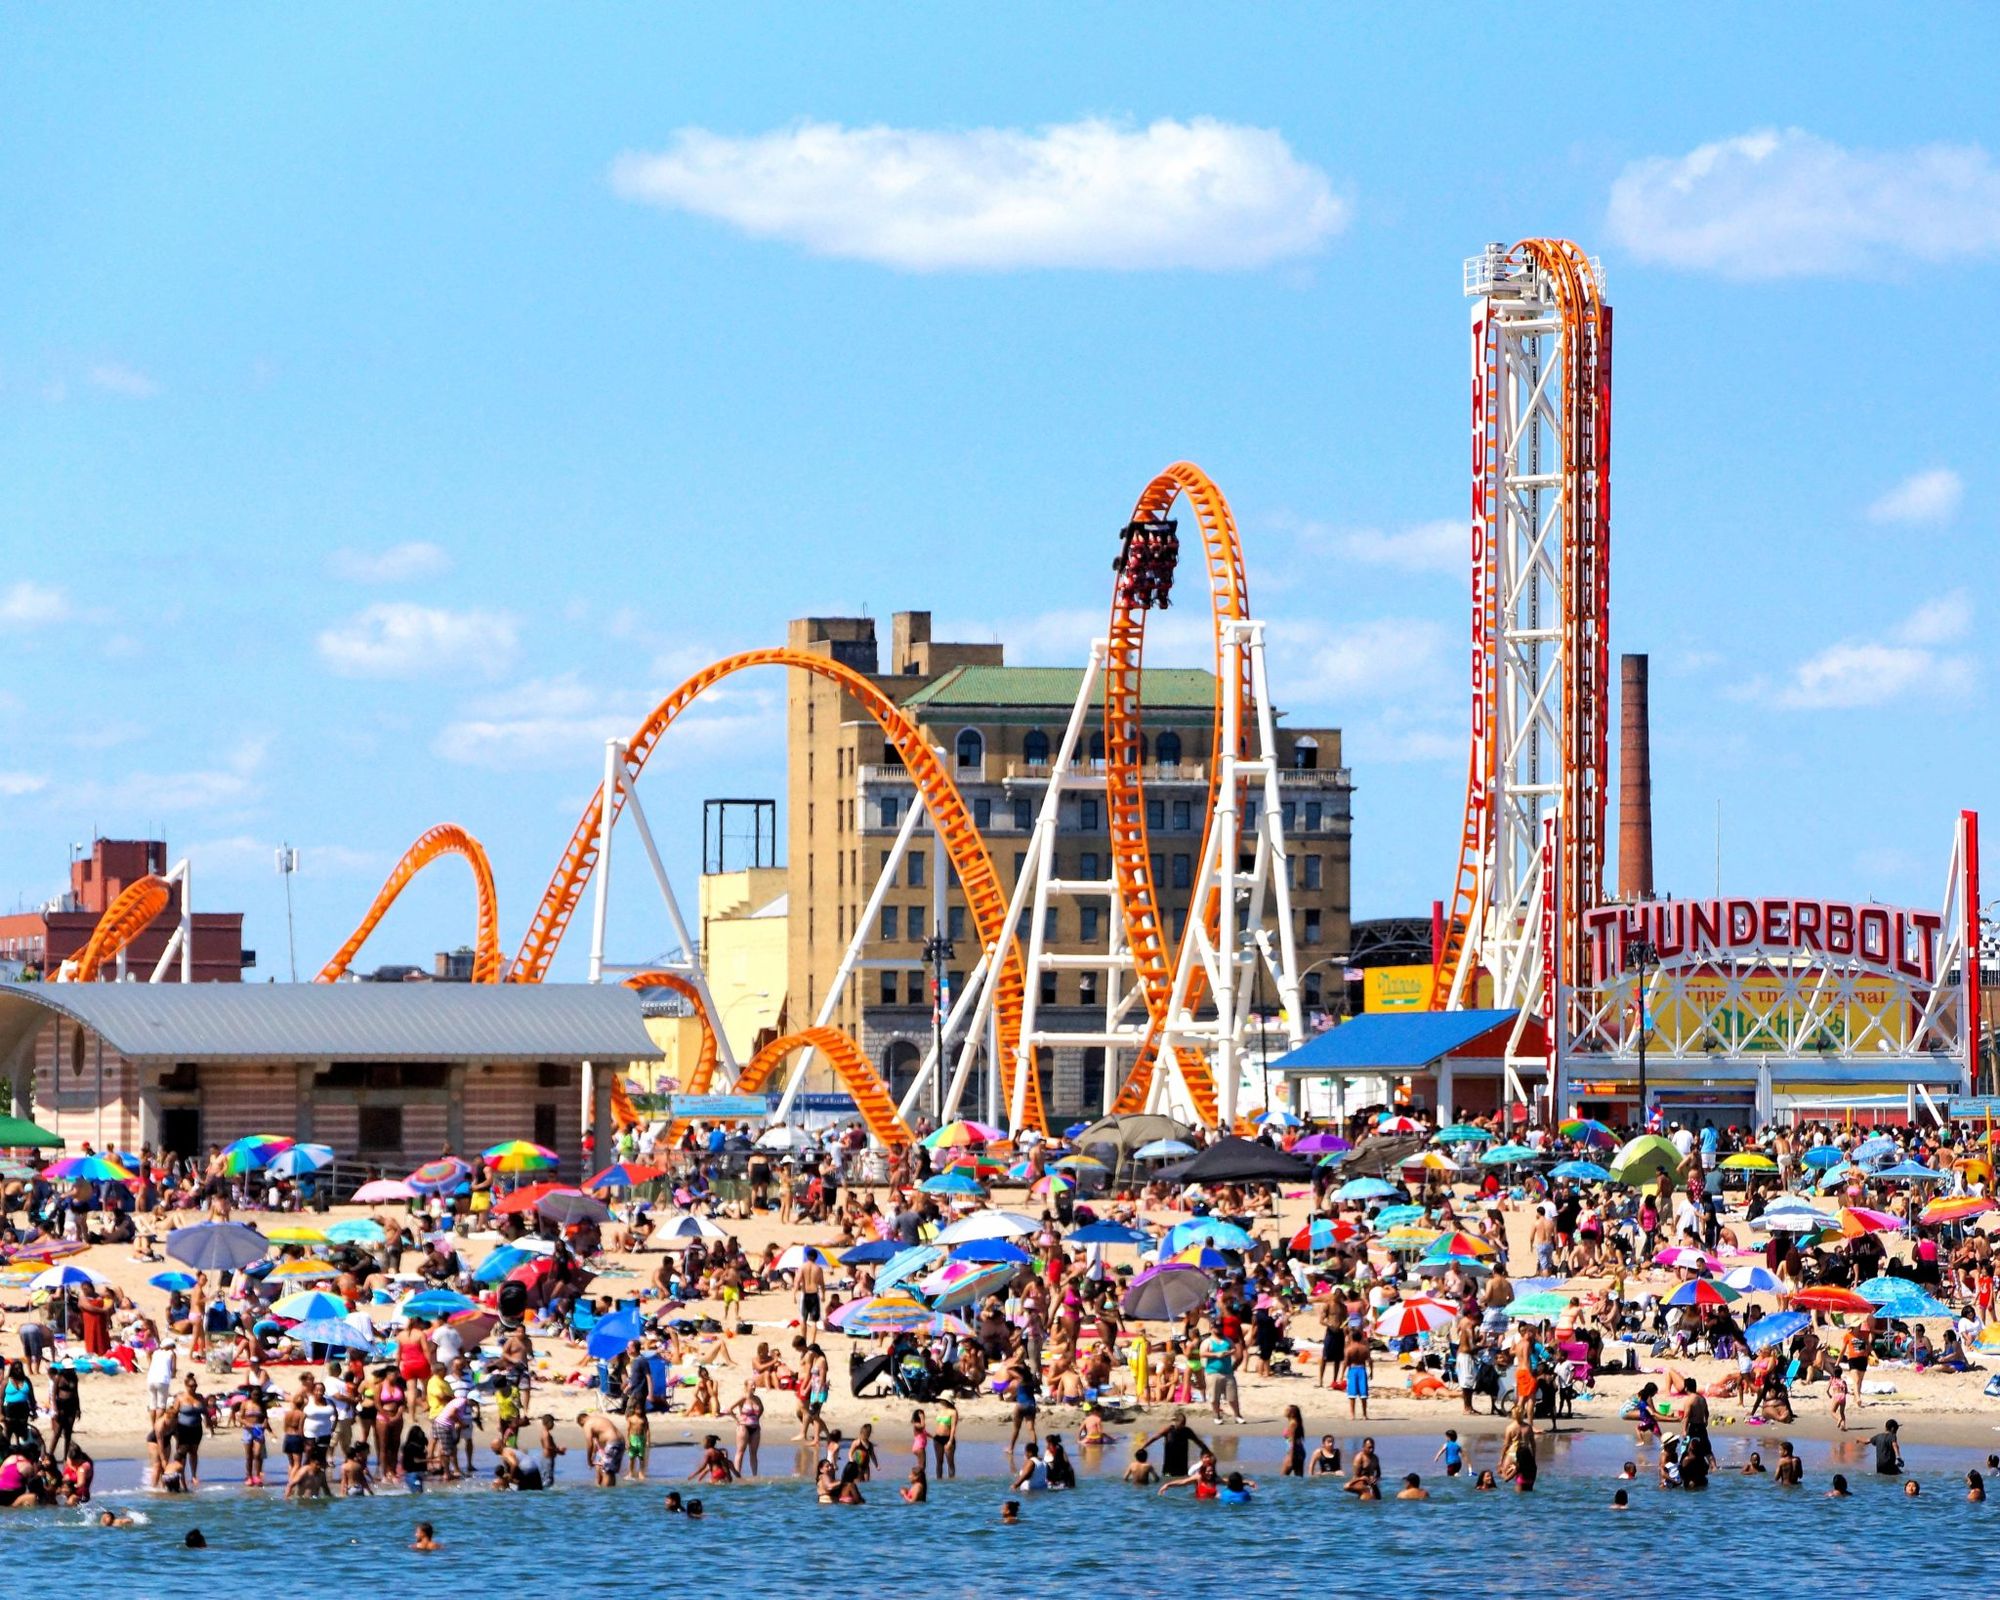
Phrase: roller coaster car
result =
(1145, 563)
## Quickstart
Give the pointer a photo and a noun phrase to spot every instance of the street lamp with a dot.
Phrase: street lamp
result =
(1640, 953)
(938, 952)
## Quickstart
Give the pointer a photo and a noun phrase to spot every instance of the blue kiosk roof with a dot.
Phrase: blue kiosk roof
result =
(1392, 1041)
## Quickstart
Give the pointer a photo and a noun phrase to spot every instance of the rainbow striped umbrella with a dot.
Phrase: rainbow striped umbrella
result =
(518, 1155)
(1590, 1131)
(1463, 1245)
(436, 1177)
(962, 1132)
(1053, 1183)
(253, 1152)
(1955, 1208)
(1856, 1220)
(93, 1169)
(1704, 1292)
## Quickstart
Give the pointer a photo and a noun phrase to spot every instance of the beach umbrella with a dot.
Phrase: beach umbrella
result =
(1435, 1161)
(991, 1252)
(1642, 1159)
(1792, 1215)
(1823, 1155)
(796, 1256)
(958, 1183)
(217, 1246)
(1313, 1144)
(519, 1155)
(1165, 1150)
(50, 1249)
(626, 1175)
(1436, 1267)
(1399, 1240)
(300, 1160)
(1205, 1256)
(1831, 1297)
(1102, 1233)
(975, 1286)
(1207, 1230)
(1166, 1293)
(357, 1230)
(980, 1164)
(1955, 1208)
(1837, 1175)
(1082, 1164)
(871, 1253)
(1704, 1292)
(907, 1264)
(1461, 1133)
(1396, 1216)
(1322, 1233)
(613, 1333)
(1507, 1155)
(303, 1270)
(689, 1226)
(93, 1169)
(434, 1304)
(1407, 1318)
(784, 1136)
(1053, 1183)
(309, 1305)
(1364, 1189)
(252, 1152)
(1581, 1171)
(1390, 1122)
(495, 1267)
(1775, 1329)
(1752, 1280)
(1589, 1131)
(987, 1225)
(1541, 1306)
(172, 1282)
(1457, 1245)
(379, 1190)
(1911, 1172)
(893, 1313)
(1854, 1221)
(1680, 1256)
(566, 1207)
(439, 1176)
(1879, 1148)
(1279, 1118)
(522, 1201)
(1749, 1161)
(63, 1278)
(962, 1132)
(295, 1233)
(334, 1333)
(1902, 1299)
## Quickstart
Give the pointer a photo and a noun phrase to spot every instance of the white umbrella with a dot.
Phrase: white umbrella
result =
(65, 1276)
(798, 1255)
(783, 1137)
(690, 1226)
(988, 1225)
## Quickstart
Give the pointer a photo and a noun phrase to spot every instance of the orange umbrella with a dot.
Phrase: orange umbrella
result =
(525, 1199)
(1831, 1297)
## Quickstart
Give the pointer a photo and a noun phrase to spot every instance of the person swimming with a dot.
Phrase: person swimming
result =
(1235, 1490)
(1620, 1500)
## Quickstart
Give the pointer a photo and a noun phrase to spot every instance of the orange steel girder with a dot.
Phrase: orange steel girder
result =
(447, 839)
(704, 1068)
(1125, 801)
(947, 808)
(123, 921)
(878, 1110)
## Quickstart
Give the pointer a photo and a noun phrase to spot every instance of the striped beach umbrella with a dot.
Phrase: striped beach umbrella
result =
(519, 1155)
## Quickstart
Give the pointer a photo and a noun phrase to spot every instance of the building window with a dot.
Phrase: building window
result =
(1087, 815)
(1183, 871)
(1314, 811)
(916, 872)
(1097, 750)
(887, 809)
(1086, 988)
(1312, 988)
(982, 814)
(1314, 869)
(1183, 816)
(1048, 988)
(1156, 813)
(1180, 922)
(1024, 815)
(1158, 864)
(1035, 748)
(1249, 813)
(1168, 746)
(1051, 923)
(971, 749)
(954, 921)
(1020, 864)
(1045, 1075)
(1289, 816)
(1086, 917)
(916, 920)
(888, 922)
(545, 1125)
(379, 1127)
(1312, 927)
(1086, 865)
(1093, 1078)
(888, 988)
(1305, 755)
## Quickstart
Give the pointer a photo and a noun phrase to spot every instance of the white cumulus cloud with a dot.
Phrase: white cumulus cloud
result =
(400, 563)
(1204, 194)
(562, 723)
(399, 639)
(1787, 203)
(27, 604)
(1438, 546)
(15, 784)
(1912, 659)
(1922, 497)
(114, 377)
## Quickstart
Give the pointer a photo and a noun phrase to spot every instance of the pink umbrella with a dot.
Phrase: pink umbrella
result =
(379, 1189)
(1680, 1256)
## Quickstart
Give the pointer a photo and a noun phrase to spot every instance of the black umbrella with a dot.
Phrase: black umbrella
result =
(1234, 1160)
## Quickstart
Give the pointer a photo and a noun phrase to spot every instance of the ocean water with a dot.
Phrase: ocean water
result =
(1743, 1537)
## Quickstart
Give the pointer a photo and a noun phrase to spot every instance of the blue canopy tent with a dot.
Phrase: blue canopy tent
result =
(1444, 1046)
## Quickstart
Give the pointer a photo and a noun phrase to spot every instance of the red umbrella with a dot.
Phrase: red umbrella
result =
(525, 1199)
(1831, 1297)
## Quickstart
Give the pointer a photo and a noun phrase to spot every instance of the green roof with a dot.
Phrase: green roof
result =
(1164, 688)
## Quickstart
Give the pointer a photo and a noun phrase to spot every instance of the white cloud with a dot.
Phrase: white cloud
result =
(15, 784)
(244, 855)
(114, 377)
(1910, 660)
(1922, 497)
(1438, 546)
(562, 723)
(400, 563)
(1317, 664)
(1202, 194)
(27, 604)
(1776, 204)
(399, 639)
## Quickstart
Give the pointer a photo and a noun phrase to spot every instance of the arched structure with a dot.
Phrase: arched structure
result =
(703, 1076)
(123, 921)
(447, 839)
(961, 840)
(1145, 577)
(854, 1069)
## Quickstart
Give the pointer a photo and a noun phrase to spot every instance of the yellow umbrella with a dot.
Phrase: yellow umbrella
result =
(295, 1233)
(1749, 1161)
(305, 1269)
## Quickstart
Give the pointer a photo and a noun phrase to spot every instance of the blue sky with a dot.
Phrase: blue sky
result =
(394, 407)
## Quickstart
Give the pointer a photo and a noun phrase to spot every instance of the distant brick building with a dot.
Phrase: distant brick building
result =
(43, 939)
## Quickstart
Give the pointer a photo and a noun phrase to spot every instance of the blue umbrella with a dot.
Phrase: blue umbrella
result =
(1280, 1119)
(1397, 1216)
(1587, 1171)
(1206, 1230)
(1823, 1155)
(1320, 1235)
(310, 1305)
(217, 1246)
(1162, 1150)
(1912, 1172)
(613, 1333)
(357, 1230)
(1075, 1128)
(1508, 1155)
(1836, 1175)
(1776, 1329)
(1901, 1298)
(503, 1261)
(172, 1282)
(335, 1333)
(956, 1181)
(870, 1254)
(1110, 1233)
(1878, 1148)
(905, 1264)
(1364, 1189)
(434, 1303)
(1752, 1280)
(300, 1159)
(991, 1251)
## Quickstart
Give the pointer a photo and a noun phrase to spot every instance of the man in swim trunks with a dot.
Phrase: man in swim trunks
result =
(1356, 1363)
(810, 1283)
(604, 1442)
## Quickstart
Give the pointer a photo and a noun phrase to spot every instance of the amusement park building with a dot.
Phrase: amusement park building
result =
(999, 727)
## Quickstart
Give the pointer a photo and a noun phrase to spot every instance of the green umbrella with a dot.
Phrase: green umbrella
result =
(17, 1132)
(1644, 1159)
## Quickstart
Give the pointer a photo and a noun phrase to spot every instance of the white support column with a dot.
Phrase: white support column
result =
(929, 1073)
(607, 817)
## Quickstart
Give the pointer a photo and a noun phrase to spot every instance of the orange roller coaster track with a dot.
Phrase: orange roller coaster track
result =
(703, 1076)
(854, 1069)
(1132, 596)
(962, 842)
(123, 921)
(447, 839)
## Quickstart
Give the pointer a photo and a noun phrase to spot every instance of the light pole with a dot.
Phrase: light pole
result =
(1640, 953)
(938, 952)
